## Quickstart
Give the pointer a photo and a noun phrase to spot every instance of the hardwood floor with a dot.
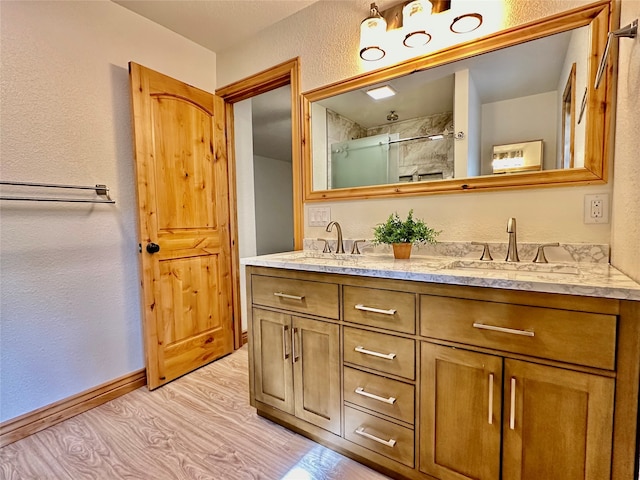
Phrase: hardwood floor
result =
(200, 426)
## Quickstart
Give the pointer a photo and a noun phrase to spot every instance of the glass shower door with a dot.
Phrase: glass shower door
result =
(361, 162)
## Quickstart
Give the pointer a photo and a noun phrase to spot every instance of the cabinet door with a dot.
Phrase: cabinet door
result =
(460, 412)
(316, 365)
(557, 423)
(272, 359)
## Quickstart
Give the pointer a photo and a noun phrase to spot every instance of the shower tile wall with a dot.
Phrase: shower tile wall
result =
(426, 159)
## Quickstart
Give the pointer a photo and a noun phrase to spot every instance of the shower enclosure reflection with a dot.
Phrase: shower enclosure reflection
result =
(444, 122)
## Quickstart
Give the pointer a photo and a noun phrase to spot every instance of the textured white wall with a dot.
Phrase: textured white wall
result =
(548, 214)
(245, 205)
(70, 310)
(575, 55)
(625, 238)
(274, 204)
(500, 126)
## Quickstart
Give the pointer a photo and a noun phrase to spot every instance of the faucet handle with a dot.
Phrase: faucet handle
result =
(327, 247)
(486, 254)
(354, 248)
(540, 258)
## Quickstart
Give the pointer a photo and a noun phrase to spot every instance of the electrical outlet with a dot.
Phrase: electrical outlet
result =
(596, 208)
(319, 216)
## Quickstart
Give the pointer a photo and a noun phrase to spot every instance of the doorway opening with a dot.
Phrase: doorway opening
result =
(262, 197)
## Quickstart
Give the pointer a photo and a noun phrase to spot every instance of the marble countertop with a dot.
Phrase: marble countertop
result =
(571, 278)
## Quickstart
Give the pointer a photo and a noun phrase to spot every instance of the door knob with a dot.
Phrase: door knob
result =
(153, 247)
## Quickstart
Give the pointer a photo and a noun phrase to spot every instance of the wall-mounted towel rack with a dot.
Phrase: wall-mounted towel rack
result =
(630, 31)
(101, 190)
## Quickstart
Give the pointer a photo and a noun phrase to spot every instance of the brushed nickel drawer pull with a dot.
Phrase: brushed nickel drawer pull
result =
(361, 391)
(513, 331)
(491, 399)
(285, 354)
(512, 412)
(389, 443)
(364, 308)
(388, 356)
(295, 355)
(290, 297)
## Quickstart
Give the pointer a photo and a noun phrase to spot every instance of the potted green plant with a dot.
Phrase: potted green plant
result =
(402, 234)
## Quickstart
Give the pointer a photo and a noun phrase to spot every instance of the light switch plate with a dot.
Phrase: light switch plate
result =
(596, 208)
(319, 216)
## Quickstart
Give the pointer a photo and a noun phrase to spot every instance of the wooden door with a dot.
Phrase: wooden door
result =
(460, 414)
(557, 423)
(272, 352)
(183, 205)
(316, 367)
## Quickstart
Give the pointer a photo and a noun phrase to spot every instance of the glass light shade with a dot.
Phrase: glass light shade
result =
(372, 31)
(416, 39)
(415, 16)
(466, 23)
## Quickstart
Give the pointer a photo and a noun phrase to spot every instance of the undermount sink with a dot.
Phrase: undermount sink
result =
(522, 267)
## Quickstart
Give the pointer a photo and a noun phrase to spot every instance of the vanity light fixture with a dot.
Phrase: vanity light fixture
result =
(415, 16)
(381, 92)
(372, 31)
(412, 18)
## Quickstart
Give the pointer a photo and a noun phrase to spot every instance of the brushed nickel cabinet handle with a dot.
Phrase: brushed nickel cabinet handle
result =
(296, 354)
(512, 331)
(512, 412)
(491, 399)
(290, 297)
(364, 308)
(285, 354)
(388, 356)
(389, 443)
(361, 391)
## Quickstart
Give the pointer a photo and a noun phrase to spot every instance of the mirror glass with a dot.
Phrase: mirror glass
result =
(519, 109)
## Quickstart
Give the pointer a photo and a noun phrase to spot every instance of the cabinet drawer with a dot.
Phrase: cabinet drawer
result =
(383, 395)
(567, 336)
(379, 351)
(381, 436)
(304, 296)
(380, 308)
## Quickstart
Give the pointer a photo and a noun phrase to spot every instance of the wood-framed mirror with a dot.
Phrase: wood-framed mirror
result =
(350, 152)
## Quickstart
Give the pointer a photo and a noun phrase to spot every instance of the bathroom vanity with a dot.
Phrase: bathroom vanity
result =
(436, 368)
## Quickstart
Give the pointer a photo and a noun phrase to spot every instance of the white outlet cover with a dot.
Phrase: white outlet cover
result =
(588, 201)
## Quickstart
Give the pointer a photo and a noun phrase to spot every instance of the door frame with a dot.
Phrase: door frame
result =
(285, 73)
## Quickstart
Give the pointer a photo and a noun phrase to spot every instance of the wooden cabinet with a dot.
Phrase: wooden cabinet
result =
(273, 366)
(380, 351)
(583, 338)
(379, 412)
(297, 368)
(554, 423)
(379, 435)
(374, 307)
(557, 423)
(460, 413)
(379, 394)
(430, 381)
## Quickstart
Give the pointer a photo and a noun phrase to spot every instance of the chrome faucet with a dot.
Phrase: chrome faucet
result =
(339, 247)
(512, 250)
